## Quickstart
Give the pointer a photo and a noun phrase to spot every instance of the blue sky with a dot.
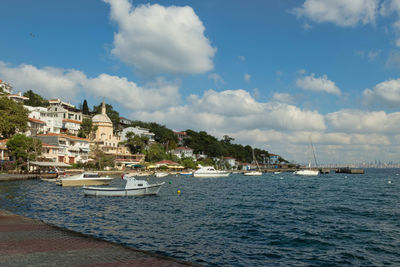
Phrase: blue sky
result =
(268, 73)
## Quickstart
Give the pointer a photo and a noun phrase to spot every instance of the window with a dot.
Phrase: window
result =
(64, 115)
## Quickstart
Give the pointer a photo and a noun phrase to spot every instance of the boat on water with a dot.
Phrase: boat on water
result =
(86, 178)
(161, 174)
(257, 172)
(209, 172)
(133, 187)
(253, 173)
(186, 173)
(307, 172)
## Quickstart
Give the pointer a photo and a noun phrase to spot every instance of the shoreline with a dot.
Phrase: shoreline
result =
(25, 241)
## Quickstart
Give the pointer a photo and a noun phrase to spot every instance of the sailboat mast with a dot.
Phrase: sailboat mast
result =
(312, 147)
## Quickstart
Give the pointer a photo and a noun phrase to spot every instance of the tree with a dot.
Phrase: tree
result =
(189, 163)
(155, 152)
(24, 147)
(101, 159)
(111, 113)
(35, 100)
(86, 128)
(135, 143)
(13, 117)
(85, 108)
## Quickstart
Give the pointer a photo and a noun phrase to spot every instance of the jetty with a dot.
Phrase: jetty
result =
(29, 242)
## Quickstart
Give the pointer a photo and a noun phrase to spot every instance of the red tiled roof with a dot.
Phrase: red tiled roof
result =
(47, 145)
(181, 133)
(72, 121)
(36, 121)
(65, 136)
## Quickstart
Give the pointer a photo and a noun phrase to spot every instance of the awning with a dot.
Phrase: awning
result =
(49, 164)
(176, 167)
(151, 167)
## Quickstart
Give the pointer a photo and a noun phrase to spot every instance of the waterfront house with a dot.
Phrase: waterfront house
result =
(71, 149)
(183, 152)
(142, 132)
(231, 162)
(181, 137)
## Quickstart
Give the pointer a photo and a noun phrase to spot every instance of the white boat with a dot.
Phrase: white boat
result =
(252, 173)
(161, 174)
(133, 187)
(307, 172)
(209, 172)
(86, 178)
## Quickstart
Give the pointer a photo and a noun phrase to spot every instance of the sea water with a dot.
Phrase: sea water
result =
(269, 220)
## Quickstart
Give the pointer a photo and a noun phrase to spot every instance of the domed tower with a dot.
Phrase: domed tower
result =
(104, 136)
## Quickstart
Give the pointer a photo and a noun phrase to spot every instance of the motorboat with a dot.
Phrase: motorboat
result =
(209, 172)
(86, 178)
(253, 173)
(161, 174)
(186, 173)
(133, 187)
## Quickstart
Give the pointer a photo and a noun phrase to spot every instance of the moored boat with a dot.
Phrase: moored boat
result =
(252, 173)
(133, 187)
(161, 174)
(86, 178)
(209, 172)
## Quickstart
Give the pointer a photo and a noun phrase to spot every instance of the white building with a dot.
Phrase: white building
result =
(142, 132)
(71, 149)
(183, 152)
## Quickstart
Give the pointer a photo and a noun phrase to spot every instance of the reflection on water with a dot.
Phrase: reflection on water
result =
(274, 220)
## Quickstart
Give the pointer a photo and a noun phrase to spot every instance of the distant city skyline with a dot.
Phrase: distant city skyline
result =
(270, 74)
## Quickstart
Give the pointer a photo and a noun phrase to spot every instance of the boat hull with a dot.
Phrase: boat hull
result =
(121, 192)
(83, 182)
(307, 173)
(253, 173)
(210, 175)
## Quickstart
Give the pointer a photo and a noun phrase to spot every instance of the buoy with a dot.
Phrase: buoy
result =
(389, 182)
(169, 182)
(179, 191)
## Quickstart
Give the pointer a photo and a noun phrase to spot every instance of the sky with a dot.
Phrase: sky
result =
(271, 74)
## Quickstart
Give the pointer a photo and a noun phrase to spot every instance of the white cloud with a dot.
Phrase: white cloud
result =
(157, 39)
(343, 13)
(53, 82)
(284, 98)
(218, 80)
(321, 84)
(49, 81)
(364, 122)
(242, 58)
(247, 77)
(385, 93)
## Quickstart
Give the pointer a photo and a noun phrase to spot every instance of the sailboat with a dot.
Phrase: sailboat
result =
(309, 171)
(258, 172)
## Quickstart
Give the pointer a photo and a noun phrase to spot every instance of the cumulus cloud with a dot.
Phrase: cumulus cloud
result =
(383, 94)
(218, 80)
(53, 82)
(318, 84)
(284, 98)
(157, 39)
(356, 121)
(343, 13)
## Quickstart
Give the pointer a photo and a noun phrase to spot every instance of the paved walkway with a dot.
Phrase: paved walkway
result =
(28, 242)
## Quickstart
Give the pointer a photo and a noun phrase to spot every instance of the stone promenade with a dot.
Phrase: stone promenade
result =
(28, 242)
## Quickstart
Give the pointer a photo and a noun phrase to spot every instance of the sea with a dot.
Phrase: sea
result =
(270, 220)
